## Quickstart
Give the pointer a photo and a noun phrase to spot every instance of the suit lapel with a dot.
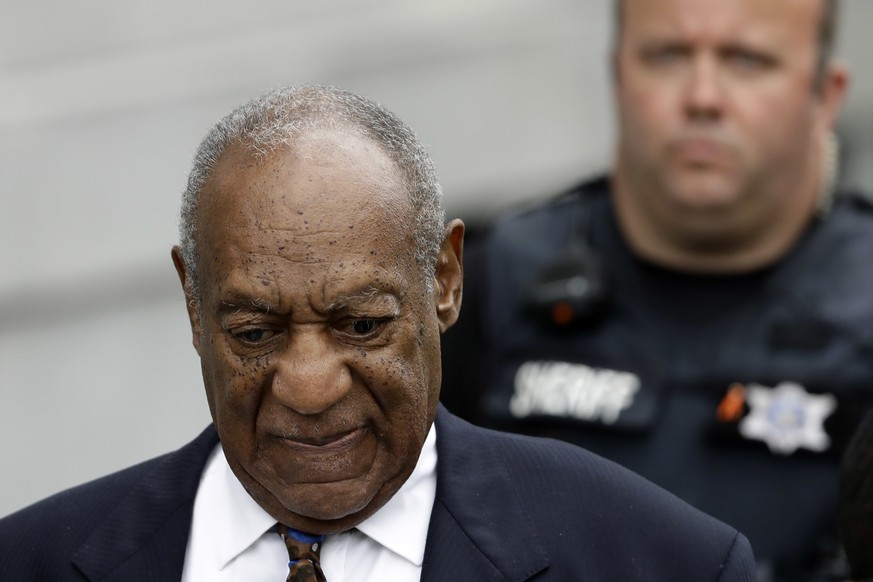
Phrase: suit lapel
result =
(145, 536)
(479, 529)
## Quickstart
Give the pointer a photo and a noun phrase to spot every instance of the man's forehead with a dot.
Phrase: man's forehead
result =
(326, 181)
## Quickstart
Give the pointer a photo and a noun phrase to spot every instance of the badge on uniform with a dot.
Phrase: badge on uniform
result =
(785, 417)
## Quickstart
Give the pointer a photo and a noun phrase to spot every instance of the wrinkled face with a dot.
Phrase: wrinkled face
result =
(717, 102)
(319, 341)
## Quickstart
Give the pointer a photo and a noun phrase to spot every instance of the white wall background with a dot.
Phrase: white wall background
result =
(102, 103)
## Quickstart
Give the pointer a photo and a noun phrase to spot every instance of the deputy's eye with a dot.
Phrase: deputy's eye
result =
(664, 54)
(748, 60)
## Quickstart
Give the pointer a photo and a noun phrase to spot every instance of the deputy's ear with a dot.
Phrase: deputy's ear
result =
(450, 275)
(832, 92)
(190, 301)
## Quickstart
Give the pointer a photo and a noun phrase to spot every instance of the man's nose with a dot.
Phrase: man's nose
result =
(311, 374)
(704, 98)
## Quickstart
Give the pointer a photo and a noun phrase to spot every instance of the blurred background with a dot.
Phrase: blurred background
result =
(103, 102)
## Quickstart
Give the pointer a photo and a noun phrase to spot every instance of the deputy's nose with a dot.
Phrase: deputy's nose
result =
(311, 374)
(704, 90)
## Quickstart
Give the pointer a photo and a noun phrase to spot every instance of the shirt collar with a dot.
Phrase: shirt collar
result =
(242, 521)
(411, 506)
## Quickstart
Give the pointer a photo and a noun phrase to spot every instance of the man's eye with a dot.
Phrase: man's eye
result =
(253, 336)
(363, 326)
(362, 329)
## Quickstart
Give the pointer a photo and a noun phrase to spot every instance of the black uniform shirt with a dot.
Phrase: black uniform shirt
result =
(734, 392)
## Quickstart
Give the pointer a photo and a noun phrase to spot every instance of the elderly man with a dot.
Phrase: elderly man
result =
(703, 315)
(319, 275)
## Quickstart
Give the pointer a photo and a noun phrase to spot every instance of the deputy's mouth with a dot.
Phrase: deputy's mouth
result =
(700, 151)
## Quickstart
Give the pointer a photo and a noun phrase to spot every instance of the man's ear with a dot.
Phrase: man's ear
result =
(190, 301)
(450, 275)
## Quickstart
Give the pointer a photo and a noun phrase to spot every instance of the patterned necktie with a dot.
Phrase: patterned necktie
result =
(303, 550)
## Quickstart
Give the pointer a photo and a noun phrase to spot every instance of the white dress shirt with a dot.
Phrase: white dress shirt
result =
(230, 540)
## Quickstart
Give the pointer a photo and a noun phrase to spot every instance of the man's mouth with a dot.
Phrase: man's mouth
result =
(325, 443)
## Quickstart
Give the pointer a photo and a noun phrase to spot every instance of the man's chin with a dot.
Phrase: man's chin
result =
(326, 507)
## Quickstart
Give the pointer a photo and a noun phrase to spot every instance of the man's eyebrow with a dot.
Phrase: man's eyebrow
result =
(234, 303)
(363, 297)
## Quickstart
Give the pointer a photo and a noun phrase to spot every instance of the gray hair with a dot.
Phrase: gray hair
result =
(276, 119)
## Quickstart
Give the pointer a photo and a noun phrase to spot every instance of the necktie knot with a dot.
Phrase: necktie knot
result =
(303, 555)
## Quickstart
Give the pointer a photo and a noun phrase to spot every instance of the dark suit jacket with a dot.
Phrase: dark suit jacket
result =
(508, 508)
